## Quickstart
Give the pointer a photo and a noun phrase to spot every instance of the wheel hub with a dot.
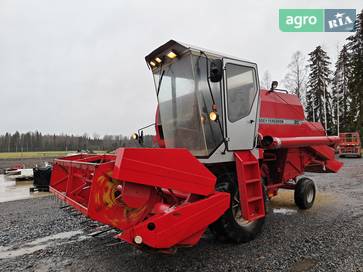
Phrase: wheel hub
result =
(310, 196)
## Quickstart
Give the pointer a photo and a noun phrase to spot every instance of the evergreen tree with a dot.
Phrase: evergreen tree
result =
(316, 106)
(341, 94)
(355, 46)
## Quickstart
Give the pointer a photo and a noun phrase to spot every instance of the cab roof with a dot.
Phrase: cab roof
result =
(180, 48)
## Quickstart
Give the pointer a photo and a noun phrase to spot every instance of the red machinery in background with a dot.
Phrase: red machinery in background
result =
(226, 147)
(349, 144)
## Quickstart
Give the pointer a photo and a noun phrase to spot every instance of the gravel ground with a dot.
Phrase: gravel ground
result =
(36, 235)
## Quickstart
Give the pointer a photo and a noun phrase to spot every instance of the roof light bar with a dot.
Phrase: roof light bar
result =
(171, 55)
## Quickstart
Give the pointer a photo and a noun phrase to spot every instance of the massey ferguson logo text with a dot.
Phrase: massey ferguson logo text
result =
(317, 20)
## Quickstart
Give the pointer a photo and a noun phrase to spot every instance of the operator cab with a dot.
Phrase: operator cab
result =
(208, 102)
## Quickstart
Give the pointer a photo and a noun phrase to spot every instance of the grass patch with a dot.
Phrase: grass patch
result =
(37, 154)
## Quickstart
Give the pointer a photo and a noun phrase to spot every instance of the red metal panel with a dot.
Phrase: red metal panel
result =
(323, 151)
(73, 176)
(180, 225)
(333, 166)
(289, 130)
(175, 169)
(327, 155)
(280, 105)
(286, 108)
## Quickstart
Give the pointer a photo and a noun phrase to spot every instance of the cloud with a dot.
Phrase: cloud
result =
(78, 66)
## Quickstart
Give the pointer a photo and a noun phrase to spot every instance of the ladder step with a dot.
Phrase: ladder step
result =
(252, 180)
(253, 199)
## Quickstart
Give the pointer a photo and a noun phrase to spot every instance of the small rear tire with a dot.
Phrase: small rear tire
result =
(305, 192)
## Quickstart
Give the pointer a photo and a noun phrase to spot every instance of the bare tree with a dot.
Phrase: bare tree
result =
(296, 77)
(266, 80)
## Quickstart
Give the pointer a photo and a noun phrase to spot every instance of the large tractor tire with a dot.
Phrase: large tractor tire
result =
(305, 192)
(231, 227)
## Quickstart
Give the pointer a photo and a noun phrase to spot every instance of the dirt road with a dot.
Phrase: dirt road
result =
(36, 235)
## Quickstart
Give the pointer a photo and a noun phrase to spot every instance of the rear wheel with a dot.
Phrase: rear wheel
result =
(231, 226)
(305, 192)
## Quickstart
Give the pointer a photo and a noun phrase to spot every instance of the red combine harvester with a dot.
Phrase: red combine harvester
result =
(349, 145)
(226, 147)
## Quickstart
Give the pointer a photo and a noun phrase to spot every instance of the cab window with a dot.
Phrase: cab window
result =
(241, 90)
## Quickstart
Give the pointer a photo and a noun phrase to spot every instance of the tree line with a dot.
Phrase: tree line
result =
(331, 96)
(36, 141)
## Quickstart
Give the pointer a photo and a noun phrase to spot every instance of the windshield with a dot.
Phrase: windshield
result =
(185, 102)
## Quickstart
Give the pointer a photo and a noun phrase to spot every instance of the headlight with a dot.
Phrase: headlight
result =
(213, 115)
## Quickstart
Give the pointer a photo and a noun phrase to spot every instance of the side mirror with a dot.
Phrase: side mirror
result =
(216, 70)
(274, 85)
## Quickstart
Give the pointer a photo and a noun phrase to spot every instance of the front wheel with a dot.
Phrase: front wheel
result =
(305, 192)
(231, 226)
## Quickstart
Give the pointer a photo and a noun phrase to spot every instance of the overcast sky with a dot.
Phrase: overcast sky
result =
(78, 66)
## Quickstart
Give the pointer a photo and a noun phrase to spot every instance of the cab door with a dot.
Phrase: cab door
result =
(242, 104)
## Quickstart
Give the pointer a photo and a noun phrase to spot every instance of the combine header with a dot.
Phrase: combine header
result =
(226, 148)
